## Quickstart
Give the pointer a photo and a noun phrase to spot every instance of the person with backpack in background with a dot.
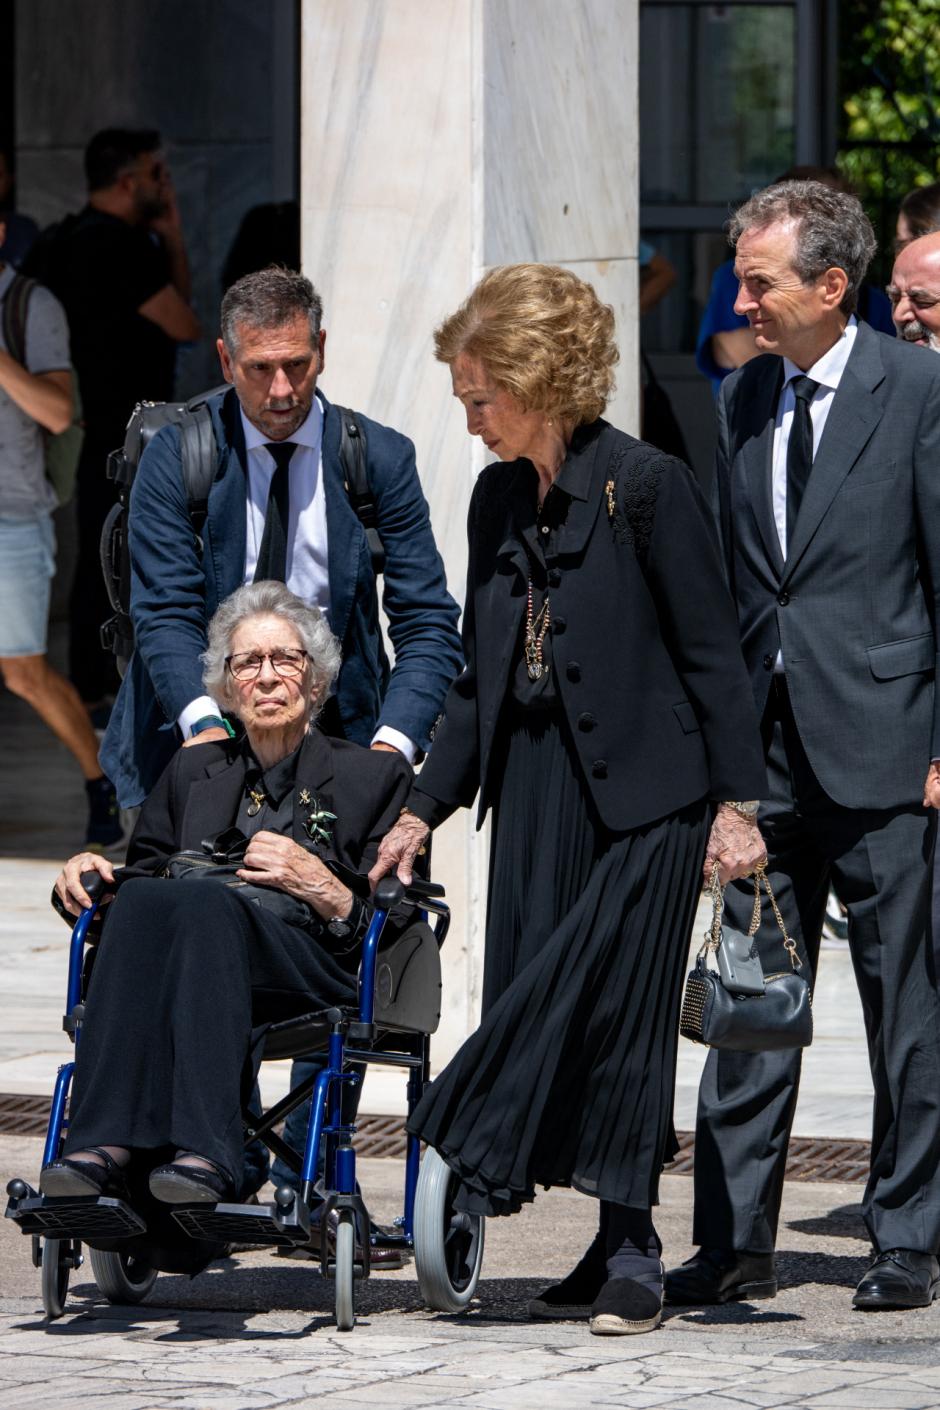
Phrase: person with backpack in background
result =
(120, 270)
(279, 507)
(36, 400)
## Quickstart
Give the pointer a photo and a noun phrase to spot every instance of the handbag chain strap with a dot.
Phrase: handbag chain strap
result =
(760, 878)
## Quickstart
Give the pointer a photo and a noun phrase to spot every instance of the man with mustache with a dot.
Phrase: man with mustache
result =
(914, 292)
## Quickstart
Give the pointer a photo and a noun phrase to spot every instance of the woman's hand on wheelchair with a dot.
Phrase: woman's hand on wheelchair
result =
(398, 849)
(69, 888)
(272, 860)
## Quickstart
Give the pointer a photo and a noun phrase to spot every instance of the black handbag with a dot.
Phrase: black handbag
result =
(220, 860)
(727, 1008)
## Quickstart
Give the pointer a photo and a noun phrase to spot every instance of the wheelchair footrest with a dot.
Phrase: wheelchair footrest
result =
(245, 1223)
(85, 1218)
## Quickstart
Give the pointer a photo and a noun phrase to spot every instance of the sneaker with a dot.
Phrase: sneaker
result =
(104, 817)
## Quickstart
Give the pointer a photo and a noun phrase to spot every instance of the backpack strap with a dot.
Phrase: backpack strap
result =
(353, 449)
(200, 457)
(15, 312)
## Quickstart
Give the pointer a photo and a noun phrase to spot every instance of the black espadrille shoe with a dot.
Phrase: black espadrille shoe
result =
(624, 1307)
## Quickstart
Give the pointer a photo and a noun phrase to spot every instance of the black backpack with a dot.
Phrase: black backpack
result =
(200, 458)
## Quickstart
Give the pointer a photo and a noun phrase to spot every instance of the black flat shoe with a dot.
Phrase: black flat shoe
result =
(190, 1184)
(898, 1278)
(624, 1308)
(722, 1275)
(72, 1179)
(571, 1299)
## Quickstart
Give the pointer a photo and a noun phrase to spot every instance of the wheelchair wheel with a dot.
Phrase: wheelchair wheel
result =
(448, 1242)
(344, 1277)
(121, 1278)
(59, 1256)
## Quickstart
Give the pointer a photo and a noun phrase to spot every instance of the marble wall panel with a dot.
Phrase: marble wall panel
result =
(559, 130)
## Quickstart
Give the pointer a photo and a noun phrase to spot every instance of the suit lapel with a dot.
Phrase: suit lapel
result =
(853, 416)
(344, 533)
(756, 454)
(314, 780)
(211, 798)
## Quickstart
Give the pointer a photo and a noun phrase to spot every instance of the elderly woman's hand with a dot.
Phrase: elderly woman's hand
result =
(399, 848)
(736, 844)
(69, 888)
(272, 860)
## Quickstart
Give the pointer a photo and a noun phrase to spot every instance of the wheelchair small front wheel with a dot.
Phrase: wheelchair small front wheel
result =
(59, 1257)
(344, 1277)
(121, 1277)
(448, 1242)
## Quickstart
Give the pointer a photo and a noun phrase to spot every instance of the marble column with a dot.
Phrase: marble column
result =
(438, 140)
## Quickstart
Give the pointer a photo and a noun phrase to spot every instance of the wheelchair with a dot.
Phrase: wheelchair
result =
(399, 989)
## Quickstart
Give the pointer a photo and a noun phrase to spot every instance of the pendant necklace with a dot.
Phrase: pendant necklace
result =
(536, 625)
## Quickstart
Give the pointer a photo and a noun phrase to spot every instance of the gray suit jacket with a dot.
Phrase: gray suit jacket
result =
(854, 606)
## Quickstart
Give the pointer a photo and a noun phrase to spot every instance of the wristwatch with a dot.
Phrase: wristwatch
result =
(747, 810)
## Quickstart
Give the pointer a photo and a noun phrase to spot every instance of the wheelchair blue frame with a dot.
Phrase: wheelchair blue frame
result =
(325, 1123)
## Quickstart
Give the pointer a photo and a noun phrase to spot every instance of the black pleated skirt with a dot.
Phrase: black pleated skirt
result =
(569, 1079)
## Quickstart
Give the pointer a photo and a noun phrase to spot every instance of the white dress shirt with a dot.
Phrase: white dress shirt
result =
(828, 373)
(307, 558)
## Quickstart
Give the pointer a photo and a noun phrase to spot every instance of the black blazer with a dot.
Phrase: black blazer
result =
(855, 605)
(198, 794)
(644, 639)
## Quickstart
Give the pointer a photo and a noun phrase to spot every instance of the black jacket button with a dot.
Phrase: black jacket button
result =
(783, 599)
(586, 722)
(558, 625)
(573, 671)
(554, 577)
(768, 663)
(599, 768)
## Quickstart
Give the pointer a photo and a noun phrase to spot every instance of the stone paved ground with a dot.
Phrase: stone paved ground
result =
(256, 1332)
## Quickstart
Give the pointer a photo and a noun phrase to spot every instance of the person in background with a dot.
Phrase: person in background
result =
(120, 270)
(657, 276)
(919, 214)
(725, 340)
(20, 230)
(914, 292)
(36, 399)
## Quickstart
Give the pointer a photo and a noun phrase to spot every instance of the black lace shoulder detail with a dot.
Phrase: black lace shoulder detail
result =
(636, 471)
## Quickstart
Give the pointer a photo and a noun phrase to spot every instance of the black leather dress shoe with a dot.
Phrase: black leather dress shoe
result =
(722, 1275)
(899, 1277)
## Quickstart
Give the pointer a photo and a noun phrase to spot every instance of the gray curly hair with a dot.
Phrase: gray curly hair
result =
(269, 599)
(833, 231)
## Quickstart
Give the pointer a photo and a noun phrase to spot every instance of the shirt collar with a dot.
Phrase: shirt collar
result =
(828, 369)
(307, 434)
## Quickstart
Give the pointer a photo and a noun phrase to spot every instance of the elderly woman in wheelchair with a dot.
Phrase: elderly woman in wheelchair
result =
(243, 928)
(186, 972)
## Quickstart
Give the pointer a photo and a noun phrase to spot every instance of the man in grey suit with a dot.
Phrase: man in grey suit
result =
(828, 494)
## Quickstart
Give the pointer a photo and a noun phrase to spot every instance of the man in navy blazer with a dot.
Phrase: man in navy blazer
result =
(272, 351)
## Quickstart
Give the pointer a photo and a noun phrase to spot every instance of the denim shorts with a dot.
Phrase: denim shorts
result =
(27, 563)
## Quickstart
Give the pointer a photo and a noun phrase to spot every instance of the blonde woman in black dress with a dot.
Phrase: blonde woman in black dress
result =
(605, 718)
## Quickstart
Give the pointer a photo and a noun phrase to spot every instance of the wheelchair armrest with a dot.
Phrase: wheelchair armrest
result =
(390, 892)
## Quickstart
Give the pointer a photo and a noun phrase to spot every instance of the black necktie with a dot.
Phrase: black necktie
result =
(272, 555)
(799, 450)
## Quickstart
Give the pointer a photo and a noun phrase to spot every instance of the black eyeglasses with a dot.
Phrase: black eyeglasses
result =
(246, 665)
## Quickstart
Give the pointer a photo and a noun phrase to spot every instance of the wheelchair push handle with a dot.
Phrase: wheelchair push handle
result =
(95, 884)
(390, 892)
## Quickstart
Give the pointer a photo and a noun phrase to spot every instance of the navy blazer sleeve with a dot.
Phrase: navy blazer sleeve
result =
(422, 615)
(168, 585)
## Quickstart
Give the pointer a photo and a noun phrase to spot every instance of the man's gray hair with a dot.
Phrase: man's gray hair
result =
(832, 230)
(269, 298)
(269, 599)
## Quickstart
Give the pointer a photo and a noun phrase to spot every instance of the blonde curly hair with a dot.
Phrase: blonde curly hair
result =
(542, 334)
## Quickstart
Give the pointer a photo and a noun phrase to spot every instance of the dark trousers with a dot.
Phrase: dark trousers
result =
(879, 863)
(91, 668)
